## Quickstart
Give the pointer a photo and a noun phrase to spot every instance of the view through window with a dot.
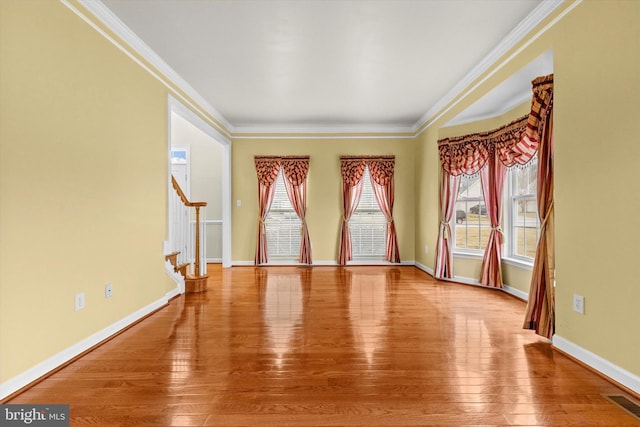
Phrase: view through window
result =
(472, 226)
(368, 225)
(283, 227)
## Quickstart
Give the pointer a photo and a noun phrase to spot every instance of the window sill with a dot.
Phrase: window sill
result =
(526, 265)
(468, 255)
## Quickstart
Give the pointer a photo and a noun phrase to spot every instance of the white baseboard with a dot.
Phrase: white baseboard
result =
(172, 293)
(424, 268)
(322, 263)
(467, 281)
(175, 276)
(516, 292)
(242, 263)
(616, 373)
(57, 360)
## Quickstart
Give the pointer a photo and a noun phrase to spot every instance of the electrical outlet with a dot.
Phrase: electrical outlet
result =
(578, 303)
(79, 301)
(426, 249)
(238, 203)
(108, 291)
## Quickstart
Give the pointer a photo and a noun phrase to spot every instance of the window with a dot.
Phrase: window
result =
(368, 224)
(283, 227)
(472, 226)
(522, 214)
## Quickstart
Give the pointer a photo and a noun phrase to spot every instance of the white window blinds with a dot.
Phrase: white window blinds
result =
(283, 227)
(368, 225)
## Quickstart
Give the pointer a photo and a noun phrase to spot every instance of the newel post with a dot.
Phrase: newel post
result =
(197, 260)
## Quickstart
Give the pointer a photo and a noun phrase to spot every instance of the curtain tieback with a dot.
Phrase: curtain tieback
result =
(263, 228)
(498, 230)
(444, 225)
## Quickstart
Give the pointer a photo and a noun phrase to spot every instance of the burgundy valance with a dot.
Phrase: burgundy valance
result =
(381, 168)
(295, 168)
(267, 168)
(514, 144)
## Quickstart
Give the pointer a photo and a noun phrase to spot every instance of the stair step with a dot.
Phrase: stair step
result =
(182, 268)
(172, 257)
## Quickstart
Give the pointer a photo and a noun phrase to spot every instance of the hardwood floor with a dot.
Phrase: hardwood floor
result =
(287, 346)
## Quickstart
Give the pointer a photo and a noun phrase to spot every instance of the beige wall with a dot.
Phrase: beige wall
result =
(596, 69)
(83, 172)
(324, 203)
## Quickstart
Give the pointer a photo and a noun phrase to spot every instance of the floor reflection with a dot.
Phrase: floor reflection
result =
(282, 312)
(185, 335)
(368, 311)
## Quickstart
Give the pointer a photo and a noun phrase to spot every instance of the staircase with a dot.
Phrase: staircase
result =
(187, 240)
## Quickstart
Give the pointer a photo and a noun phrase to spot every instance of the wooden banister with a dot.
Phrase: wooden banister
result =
(184, 199)
(197, 205)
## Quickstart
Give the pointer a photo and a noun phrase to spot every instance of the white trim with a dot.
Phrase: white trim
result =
(380, 262)
(226, 206)
(322, 263)
(242, 263)
(468, 255)
(459, 279)
(424, 268)
(532, 20)
(177, 107)
(175, 276)
(518, 263)
(111, 21)
(320, 135)
(214, 260)
(172, 80)
(212, 221)
(57, 360)
(507, 106)
(325, 263)
(93, 6)
(420, 127)
(173, 293)
(516, 292)
(305, 129)
(187, 113)
(598, 363)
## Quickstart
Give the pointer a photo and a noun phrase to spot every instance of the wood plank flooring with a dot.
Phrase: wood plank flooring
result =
(356, 346)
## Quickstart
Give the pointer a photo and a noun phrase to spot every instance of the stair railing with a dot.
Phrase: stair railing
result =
(187, 237)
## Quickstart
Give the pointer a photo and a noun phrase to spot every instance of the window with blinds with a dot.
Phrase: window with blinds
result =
(368, 225)
(283, 227)
(523, 225)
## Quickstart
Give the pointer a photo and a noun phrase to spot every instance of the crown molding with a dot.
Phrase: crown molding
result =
(512, 103)
(299, 131)
(542, 11)
(135, 43)
(330, 131)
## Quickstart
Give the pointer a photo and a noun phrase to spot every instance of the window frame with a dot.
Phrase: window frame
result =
(472, 253)
(510, 205)
(373, 210)
(292, 216)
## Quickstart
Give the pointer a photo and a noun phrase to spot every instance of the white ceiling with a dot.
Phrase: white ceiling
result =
(278, 64)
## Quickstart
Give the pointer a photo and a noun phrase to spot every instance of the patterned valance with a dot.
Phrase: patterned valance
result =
(381, 168)
(514, 144)
(267, 168)
(295, 168)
